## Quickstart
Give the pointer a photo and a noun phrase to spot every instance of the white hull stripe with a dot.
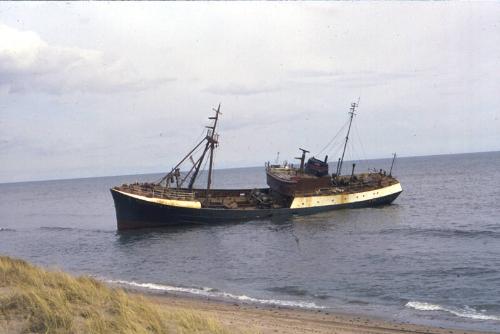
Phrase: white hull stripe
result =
(313, 201)
(298, 202)
(171, 202)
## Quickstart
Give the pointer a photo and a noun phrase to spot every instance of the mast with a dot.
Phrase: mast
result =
(392, 164)
(213, 143)
(354, 105)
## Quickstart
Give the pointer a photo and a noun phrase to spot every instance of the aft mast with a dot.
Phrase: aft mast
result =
(354, 105)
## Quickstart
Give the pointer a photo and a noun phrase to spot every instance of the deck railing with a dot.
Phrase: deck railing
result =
(160, 192)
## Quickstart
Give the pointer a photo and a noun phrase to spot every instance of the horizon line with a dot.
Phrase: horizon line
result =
(229, 168)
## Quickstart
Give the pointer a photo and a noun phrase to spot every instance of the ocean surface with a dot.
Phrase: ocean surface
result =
(433, 257)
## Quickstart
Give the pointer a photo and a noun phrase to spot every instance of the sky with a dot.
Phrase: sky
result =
(95, 88)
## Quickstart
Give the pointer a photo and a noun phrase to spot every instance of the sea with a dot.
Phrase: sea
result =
(432, 257)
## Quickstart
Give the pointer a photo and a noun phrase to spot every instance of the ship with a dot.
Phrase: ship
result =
(303, 189)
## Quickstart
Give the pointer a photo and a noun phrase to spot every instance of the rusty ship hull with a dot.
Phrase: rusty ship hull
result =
(140, 211)
(308, 189)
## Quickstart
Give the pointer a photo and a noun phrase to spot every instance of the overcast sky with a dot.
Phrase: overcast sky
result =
(89, 89)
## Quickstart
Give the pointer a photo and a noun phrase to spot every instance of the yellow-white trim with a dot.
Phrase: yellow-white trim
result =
(170, 202)
(313, 201)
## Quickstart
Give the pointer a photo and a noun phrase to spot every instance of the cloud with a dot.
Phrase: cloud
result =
(348, 79)
(28, 63)
(285, 74)
(310, 77)
(241, 89)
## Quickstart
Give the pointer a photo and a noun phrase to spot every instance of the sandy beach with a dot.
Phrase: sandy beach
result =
(34, 300)
(263, 319)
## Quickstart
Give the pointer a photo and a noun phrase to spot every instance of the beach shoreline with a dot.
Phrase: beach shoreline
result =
(265, 319)
(33, 299)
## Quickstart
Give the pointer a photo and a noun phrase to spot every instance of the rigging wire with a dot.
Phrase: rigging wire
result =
(334, 138)
(354, 156)
(194, 153)
(351, 154)
(187, 173)
(355, 149)
(360, 142)
(200, 174)
(334, 152)
(339, 146)
(348, 153)
(189, 170)
(213, 164)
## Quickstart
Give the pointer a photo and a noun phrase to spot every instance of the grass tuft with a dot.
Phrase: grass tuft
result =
(38, 301)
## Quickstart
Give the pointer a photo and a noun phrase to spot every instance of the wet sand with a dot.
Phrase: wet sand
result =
(264, 319)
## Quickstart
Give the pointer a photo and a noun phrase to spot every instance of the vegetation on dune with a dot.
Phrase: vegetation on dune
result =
(33, 300)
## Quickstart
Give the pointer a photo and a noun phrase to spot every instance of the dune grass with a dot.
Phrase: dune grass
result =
(33, 300)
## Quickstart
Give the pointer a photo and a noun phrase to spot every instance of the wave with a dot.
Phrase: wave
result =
(444, 233)
(214, 293)
(290, 290)
(465, 312)
(62, 229)
(6, 229)
(293, 290)
(56, 228)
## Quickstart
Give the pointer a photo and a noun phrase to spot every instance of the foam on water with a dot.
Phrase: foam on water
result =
(213, 293)
(465, 312)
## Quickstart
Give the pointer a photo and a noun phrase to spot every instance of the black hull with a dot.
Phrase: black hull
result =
(133, 213)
